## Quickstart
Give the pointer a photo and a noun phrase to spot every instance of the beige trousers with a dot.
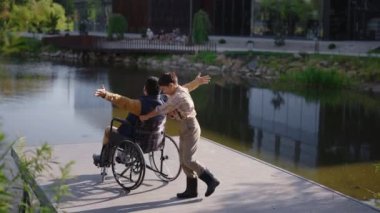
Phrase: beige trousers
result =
(106, 136)
(190, 133)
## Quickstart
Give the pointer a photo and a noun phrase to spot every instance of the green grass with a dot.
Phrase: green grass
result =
(315, 78)
(375, 51)
(205, 57)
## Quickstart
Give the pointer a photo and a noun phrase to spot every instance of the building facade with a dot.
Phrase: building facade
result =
(351, 19)
(327, 19)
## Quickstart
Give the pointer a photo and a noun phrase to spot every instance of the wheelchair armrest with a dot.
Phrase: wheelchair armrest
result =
(121, 121)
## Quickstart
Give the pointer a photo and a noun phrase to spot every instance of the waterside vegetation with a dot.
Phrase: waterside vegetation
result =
(18, 189)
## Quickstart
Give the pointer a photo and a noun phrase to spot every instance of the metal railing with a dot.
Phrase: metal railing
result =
(101, 44)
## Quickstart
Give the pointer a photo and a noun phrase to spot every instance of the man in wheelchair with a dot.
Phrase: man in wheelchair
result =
(132, 127)
(143, 105)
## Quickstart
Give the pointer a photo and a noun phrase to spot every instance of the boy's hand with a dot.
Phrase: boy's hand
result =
(202, 79)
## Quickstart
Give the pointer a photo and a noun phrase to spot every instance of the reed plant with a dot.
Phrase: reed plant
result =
(316, 78)
(30, 165)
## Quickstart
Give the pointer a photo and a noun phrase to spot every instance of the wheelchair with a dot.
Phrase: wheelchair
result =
(126, 158)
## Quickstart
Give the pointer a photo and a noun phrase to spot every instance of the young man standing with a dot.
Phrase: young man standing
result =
(180, 106)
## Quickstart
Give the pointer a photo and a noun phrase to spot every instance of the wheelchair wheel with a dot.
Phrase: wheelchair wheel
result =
(128, 165)
(165, 161)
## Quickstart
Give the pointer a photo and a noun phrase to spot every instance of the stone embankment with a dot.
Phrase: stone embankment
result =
(242, 69)
(248, 71)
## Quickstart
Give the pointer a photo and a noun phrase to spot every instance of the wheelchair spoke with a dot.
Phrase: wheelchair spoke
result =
(125, 170)
(128, 165)
(165, 161)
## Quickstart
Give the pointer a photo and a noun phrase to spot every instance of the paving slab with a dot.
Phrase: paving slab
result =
(247, 185)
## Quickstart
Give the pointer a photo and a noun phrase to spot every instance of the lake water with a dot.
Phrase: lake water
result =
(332, 139)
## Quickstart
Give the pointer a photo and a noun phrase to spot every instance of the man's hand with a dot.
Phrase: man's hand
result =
(202, 79)
(101, 92)
(143, 117)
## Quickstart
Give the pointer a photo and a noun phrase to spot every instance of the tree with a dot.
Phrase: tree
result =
(36, 16)
(201, 27)
(284, 16)
(117, 24)
(94, 9)
(69, 7)
(27, 15)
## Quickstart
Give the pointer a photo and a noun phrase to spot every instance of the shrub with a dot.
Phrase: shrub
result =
(83, 27)
(201, 27)
(331, 46)
(279, 40)
(17, 46)
(117, 25)
(222, 41)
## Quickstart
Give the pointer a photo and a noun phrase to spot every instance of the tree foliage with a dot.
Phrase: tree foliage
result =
(201, 27)
(117, 25)
(284, 16)
(28, 15)
(94, 9)
(37, 16)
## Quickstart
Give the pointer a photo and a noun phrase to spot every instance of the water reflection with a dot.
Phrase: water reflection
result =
(287, 125)
(283, 126)
(330, 139)
(57, 106)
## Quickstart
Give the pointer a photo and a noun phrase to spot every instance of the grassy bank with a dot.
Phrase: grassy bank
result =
(315, 70)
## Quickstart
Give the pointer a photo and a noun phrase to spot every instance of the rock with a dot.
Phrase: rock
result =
(224, 68)
(166, 63)
(324, 63)
(351, 73)
(297, 55)
(244, 70)
(237, 64)
(252, 65)
(258, 74)
(175, 58)
(213, 69)
(127, 61)
(221, 59)
(198, 65)
(183, 60)
(249, 75)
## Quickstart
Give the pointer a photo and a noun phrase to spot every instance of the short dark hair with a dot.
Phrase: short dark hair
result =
(167, 78)
(151, 86)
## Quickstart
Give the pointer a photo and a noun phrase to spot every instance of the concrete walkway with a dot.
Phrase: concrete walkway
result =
(247, 185)
(351, 48)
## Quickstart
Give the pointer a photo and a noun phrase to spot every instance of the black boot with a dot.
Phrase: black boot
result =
(102, 159)
(191, 189)
(210, 180)
(96, 159)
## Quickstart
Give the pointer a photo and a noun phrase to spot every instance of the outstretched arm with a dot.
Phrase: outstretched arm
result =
(151, 114)
(199, 80)
(129, 104)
